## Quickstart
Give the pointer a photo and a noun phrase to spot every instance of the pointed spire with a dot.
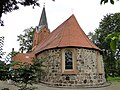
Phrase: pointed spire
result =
(43, 19)
(68, 34)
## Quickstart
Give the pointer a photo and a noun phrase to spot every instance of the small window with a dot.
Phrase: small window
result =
(68, 60)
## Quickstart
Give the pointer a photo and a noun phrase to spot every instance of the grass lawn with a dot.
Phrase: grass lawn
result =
(113, 79)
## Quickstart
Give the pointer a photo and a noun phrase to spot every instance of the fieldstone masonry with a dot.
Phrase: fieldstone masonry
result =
(67, 62)
(89, 66)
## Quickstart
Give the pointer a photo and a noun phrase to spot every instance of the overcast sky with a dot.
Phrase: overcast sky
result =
(87, 12)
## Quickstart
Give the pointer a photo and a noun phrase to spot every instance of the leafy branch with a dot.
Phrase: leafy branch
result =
(114, 40)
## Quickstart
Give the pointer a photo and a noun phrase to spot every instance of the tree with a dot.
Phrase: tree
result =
(26, 40)
(106, 1)
(4, 70)
(7, 6)
(39, 67)
(5, 65)
(110, 24)
(92, 36)
(1, 47)
(11, 5)
(27, 73)
(22, 74)
(115, 38)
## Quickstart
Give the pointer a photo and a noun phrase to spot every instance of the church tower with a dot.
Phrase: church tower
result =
(41, 31)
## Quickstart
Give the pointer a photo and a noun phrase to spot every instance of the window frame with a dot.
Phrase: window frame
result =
(74, 58)
(68, 59)
(99, 63)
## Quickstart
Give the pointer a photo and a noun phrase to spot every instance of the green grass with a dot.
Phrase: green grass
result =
(113, 79)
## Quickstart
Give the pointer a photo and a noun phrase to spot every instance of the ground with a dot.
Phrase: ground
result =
(113, 86)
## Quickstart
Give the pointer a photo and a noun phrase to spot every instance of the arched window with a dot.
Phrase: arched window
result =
(68, 59)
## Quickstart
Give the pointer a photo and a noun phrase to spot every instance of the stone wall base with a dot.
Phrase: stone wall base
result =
(56, 85)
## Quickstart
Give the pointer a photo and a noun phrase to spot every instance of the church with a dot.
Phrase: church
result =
(71, 58)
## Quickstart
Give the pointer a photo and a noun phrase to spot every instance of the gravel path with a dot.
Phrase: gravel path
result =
(113, 86)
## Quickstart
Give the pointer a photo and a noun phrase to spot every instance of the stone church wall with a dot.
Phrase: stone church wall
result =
(89, 66)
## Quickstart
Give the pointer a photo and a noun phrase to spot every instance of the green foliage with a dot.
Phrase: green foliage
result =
(11, 5)
(39, 67)
(26, 40)
(113, 79)
(114, 39)
(7, 6)
(109, 25)
(22, 73)
(27, 74)
(8, 58)
(106, 1)
(1, 47)
(4, 71)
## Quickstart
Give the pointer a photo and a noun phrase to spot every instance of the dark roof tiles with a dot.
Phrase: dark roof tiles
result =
(43, 19)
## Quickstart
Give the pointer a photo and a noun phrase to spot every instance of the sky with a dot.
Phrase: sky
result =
(87, 12)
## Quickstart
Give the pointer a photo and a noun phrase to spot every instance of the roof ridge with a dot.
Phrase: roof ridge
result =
(67, 34)
(63, 22)
(62, 27)
(85, 36)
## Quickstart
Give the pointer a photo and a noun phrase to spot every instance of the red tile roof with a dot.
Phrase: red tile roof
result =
(24, 58)
(69, 33)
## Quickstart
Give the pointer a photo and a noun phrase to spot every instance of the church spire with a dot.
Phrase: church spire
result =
(41, 31)
(43, 19)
